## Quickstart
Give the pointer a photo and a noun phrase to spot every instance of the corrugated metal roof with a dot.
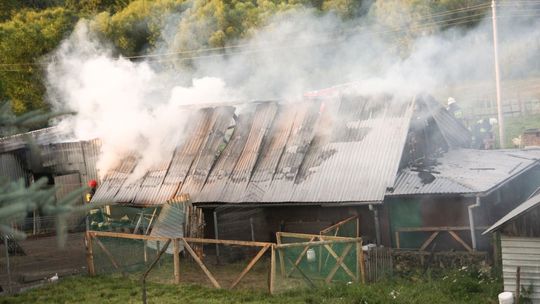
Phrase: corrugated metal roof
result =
(465, 171)
(519, 210)
(39, 137)
(346, 149)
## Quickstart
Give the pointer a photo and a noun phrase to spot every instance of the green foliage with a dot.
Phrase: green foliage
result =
(24, 40)
(31, 29)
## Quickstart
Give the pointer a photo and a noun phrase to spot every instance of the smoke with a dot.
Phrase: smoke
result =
(127, 105)
(137, 105)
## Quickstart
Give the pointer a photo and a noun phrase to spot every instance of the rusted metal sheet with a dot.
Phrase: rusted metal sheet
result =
(299, 140)
(271, 153)
(114, 180)
(336, 150)
(236, 184)
(362, 156)
(220, 120)
(220, 174)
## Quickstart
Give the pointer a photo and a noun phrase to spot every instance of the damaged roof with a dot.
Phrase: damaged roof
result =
(339, 150)
(463, 171)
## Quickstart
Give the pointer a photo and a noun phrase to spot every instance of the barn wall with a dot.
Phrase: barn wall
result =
(233, 221)
(523, 252)
(428, 211)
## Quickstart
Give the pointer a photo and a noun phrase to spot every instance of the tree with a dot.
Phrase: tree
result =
(18, 199)
(24, 40)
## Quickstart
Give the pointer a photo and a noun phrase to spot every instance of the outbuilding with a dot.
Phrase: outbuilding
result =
(520, 246)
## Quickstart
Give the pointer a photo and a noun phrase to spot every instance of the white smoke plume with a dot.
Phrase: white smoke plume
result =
(136, 106)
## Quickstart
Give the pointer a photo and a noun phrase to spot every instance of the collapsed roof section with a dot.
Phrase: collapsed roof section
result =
(345, 149)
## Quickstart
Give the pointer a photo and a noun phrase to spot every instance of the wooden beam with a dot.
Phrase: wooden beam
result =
(107, 253)
(461, 241)
(317, 243)
(443, 228)
(145, 274)
(339, 262)
(429, 240)
(201, 264)
(308, 236)
(338, 224)
(127, 236)
(272, 278)
(90, 255)
(227, 242)
(250, 265)
(281, 259)
(176, 261)
(361, 261)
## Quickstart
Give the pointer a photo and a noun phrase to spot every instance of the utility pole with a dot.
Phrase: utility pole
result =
(497, 74)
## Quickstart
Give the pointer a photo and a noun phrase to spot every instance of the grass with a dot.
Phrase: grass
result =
(456, 287)
(514, 126)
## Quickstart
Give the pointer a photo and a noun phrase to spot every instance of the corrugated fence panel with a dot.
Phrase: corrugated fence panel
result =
(10, 167)
(525, 253)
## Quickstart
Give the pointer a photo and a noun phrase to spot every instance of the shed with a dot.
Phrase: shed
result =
(520, 246)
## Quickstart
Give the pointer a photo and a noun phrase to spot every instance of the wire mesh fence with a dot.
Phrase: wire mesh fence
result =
(38, 259)
(314, 260)
(304, 260)
(349, 227)
(186, 260)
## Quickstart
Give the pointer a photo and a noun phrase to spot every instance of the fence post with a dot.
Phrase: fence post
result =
(6, 244)
(271, 279)
(90, 254)
(361, 260)
(176, 254)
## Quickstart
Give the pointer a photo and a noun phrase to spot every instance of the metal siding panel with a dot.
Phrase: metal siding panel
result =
(513, 249)
(10, 167)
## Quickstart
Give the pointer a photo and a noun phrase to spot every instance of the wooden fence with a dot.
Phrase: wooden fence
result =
(379, 263)
(93, 237)
(326, 243)
(435, 231)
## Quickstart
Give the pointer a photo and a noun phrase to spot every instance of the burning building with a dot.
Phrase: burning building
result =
(402, 165)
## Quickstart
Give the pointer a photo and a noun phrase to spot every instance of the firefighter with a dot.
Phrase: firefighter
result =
(93, 185)
(95, 216)
(454, 109)
(483, 135)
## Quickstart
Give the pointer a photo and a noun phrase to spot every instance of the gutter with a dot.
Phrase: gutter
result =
(471, 221)
(377, 223)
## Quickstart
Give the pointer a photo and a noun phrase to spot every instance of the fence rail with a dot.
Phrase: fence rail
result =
(337, 251)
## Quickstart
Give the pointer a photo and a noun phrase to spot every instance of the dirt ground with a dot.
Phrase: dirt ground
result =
(41, 260)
